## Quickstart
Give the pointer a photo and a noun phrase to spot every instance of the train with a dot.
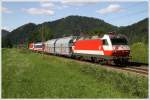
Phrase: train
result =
(110, 48)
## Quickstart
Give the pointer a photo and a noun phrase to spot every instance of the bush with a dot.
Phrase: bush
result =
(139, 52)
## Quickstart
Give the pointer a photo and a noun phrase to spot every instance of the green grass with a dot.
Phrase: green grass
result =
(29, 75)
(139, 52)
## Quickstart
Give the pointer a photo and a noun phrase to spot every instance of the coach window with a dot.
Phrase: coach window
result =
(105, 42)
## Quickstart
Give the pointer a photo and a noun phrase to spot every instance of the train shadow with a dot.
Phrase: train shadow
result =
(129, 64)
(137, 64)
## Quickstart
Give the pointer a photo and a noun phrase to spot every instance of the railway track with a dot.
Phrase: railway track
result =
(142, 70)
(138, 70)
(134, 67)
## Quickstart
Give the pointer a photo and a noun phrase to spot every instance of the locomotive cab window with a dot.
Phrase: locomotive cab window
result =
(119, 41)
(105, 42)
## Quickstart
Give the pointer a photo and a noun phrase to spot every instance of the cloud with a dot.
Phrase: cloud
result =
(6, 10)
(45, 8)
(53, 4)
(113, 8)
(47, 4)
(79, 2)
(39, 11)
(62, 7)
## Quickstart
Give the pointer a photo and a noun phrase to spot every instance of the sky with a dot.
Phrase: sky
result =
(15, 14)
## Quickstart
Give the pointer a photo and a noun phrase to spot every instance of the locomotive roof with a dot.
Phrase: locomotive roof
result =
(117, 36)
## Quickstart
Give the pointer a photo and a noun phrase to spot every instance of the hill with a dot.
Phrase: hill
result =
(137, 32)
(5, 41)
(22, 34)
(75, 25)
(71, 25)
(4, 32)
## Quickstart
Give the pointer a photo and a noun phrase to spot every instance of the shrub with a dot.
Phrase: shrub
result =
(139, 52)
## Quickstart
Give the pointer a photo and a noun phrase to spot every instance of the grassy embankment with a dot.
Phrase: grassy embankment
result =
(29, 75)
(139, 52)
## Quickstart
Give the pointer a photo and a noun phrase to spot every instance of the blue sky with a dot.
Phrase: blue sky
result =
(15, 14)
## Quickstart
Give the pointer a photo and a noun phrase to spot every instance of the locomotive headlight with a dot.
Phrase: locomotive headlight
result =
(114, 51)
(127, 47)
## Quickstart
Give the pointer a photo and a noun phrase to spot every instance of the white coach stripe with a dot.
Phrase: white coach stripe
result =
(96, 52)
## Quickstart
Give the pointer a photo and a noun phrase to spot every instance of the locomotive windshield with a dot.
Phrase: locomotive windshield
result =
(38, 46)
(119, 41)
